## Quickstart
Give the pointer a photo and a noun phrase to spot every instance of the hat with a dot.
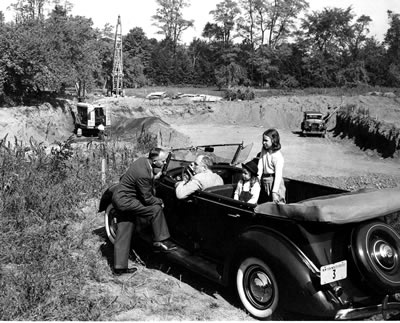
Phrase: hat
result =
(251, 166)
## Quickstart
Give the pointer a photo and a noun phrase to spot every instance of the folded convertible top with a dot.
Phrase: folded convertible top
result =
(349, 207)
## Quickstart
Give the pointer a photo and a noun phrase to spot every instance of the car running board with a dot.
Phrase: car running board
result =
(194, 263)
(189, 260)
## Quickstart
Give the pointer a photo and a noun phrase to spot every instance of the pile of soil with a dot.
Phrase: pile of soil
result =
(130, 129)
(45, 123)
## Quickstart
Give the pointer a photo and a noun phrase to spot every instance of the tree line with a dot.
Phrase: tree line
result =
(258, 43)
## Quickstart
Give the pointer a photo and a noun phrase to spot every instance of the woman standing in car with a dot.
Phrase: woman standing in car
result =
(270, 169)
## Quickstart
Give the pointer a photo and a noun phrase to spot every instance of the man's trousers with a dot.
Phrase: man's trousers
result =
(152, 214)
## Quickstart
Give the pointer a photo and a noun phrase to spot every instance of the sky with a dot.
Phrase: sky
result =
(138, 13)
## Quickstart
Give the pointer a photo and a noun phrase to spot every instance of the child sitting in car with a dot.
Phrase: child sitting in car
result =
(248, 188)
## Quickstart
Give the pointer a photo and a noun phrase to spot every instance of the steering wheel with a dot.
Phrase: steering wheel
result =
(187, 172)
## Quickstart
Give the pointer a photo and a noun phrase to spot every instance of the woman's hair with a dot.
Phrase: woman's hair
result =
(274, 135)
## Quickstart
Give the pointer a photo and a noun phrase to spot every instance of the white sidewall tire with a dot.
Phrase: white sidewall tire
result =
(108, 214)
(260, 314)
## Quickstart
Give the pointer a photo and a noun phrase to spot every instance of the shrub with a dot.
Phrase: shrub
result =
(241, 93)
(45, 261)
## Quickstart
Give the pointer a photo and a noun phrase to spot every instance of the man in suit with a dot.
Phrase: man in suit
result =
(134, 197)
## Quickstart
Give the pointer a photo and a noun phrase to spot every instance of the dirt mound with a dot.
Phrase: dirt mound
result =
(44, 123)
(128, 129)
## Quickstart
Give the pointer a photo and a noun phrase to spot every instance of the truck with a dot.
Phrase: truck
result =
(88, 118)
(313, 124)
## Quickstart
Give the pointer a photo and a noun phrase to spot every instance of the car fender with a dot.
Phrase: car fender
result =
(298, 278)
(106, 198)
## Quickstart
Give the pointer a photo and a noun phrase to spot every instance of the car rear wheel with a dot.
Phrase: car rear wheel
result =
(110, 223)
(376, 252)
(257, 287)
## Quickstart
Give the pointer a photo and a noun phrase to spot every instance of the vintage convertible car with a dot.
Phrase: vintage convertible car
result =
(327, 253)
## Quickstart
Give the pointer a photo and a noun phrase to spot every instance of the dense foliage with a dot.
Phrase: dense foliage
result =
(259, 43)
(48, 262)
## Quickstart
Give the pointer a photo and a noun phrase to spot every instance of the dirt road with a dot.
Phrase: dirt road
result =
(303, 156)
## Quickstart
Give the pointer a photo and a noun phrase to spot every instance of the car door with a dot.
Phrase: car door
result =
(218, 221)
(179, 214)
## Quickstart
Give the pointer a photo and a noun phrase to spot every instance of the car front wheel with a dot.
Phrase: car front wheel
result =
(257, 287)
(110, 223)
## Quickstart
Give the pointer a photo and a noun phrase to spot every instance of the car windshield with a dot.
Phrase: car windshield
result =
(314, 116)
(225, 153)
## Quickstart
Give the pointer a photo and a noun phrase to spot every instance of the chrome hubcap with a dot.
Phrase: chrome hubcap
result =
(259, 289)
(384, 255)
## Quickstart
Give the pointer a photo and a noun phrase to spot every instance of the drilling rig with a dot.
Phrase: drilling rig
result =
(117, 71)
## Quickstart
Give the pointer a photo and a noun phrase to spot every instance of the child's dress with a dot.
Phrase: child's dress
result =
(246, 192)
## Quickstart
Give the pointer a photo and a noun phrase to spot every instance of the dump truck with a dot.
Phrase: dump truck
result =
(89, 117)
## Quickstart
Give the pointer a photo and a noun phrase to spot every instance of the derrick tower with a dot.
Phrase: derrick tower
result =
(117, 72)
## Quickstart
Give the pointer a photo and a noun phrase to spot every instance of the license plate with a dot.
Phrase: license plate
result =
(333, 272)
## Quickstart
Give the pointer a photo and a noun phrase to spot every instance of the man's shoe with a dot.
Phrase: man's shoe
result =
(122, 271)
(164, 246)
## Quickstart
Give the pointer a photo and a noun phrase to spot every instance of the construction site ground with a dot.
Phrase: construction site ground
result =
(332, 160)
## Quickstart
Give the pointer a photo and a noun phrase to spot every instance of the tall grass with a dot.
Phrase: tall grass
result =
(45, 257)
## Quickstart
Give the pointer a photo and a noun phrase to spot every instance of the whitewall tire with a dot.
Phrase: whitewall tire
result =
(257, 287)
(110, 223)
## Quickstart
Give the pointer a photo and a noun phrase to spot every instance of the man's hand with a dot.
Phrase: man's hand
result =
(158, 175)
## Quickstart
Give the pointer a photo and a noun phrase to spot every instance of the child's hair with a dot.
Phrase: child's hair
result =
(274, 135)
(253, 179)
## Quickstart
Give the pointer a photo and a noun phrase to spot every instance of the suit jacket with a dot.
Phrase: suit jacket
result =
(135, 188)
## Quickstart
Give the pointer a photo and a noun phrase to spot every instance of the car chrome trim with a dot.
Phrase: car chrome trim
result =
(368, 311)
(220, 201)
(234, 215)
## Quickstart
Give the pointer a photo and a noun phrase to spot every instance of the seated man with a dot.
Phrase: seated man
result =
(203, 178)
(134, 198)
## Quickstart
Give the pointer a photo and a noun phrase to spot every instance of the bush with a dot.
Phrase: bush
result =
(46, 258)
(241, 93)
